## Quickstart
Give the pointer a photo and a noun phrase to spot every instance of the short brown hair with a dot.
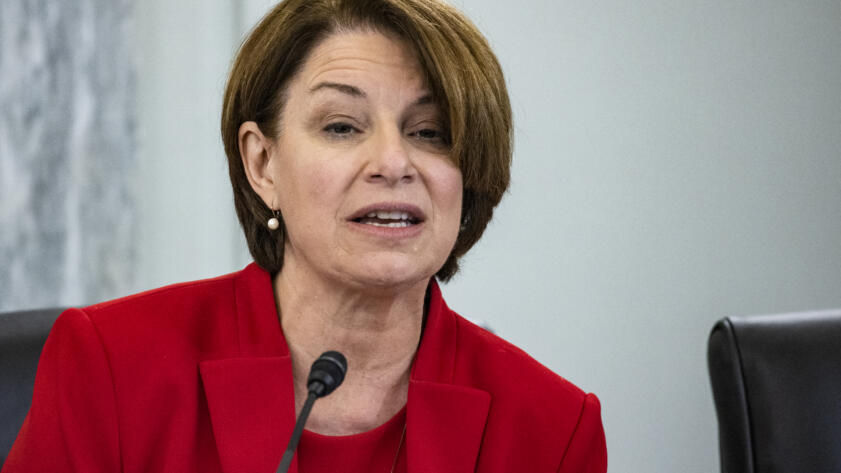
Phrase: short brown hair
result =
(461, 70)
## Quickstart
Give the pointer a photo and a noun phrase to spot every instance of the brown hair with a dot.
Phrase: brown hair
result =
(461, 71)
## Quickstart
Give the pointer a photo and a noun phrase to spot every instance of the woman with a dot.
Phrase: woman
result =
(368, 143)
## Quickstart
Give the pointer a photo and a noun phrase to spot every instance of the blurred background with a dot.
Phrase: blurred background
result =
(675, 163)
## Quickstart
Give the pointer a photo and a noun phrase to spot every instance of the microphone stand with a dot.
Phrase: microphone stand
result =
(296, 434)
(326, 374)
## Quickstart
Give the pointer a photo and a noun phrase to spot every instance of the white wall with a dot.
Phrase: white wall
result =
(676, 162)
(188, 227)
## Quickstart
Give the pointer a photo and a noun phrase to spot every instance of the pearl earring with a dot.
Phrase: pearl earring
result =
(274, 222)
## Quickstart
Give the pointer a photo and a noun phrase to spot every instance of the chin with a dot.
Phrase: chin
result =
(393, 275)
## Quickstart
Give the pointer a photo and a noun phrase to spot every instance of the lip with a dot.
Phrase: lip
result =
(410, 209)
(389, 233)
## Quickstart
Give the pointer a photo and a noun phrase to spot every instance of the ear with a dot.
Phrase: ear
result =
(255, 152)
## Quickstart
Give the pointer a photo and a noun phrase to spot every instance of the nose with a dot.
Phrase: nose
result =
(389, 159)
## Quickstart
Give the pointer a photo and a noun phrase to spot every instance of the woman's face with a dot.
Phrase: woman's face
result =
(361, 171)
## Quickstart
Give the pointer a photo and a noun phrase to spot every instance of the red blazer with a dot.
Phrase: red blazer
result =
(196, 377)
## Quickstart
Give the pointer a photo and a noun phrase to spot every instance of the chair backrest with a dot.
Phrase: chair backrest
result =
(776, 382)
(22, 335)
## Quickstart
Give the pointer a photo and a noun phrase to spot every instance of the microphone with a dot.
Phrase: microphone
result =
(326, 374)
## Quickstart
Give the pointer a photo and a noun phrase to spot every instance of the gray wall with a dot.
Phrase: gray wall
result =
(67, 151)
(188, 227)
(676, 162)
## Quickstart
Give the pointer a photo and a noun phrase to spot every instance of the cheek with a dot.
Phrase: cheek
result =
(320, 183)
(447, 191)
(309, 194)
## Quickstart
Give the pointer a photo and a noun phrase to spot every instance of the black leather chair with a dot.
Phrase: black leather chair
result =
(776, 382)
(22, 335)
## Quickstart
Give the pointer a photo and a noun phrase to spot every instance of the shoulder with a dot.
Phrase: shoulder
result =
(171, 298)
(174, 325)
(548, 412)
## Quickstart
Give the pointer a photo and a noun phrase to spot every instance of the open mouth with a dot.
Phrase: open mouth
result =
(388, 218)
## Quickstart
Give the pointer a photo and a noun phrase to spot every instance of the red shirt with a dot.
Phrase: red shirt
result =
(373, 451)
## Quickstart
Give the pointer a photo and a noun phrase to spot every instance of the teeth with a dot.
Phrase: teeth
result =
(382, 215)
(386, 215)
(390, 225)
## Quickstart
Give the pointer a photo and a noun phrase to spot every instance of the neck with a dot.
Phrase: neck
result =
(377, 332)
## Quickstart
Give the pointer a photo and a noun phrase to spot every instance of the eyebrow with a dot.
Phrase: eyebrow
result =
(344, 88)
(424, 100)
(356, 92)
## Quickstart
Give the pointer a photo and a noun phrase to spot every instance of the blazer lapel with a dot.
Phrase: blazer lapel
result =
(444, 421)
(444, 426)
(249, 393)
(252, 411)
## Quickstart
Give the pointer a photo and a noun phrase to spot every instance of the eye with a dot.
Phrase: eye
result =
(340, 129)
(433, 136)
(430, 134)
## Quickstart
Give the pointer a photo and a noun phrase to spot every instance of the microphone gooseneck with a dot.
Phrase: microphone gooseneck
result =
(326, 374)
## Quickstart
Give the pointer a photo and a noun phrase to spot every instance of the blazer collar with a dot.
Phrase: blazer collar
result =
(249, 396)
(252, 402)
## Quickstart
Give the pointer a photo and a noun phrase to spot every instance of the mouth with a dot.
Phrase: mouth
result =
(389, 216)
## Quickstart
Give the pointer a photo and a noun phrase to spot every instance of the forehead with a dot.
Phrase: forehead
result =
(362, 55)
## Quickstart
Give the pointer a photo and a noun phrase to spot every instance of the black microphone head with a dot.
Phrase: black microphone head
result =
(327, 373)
